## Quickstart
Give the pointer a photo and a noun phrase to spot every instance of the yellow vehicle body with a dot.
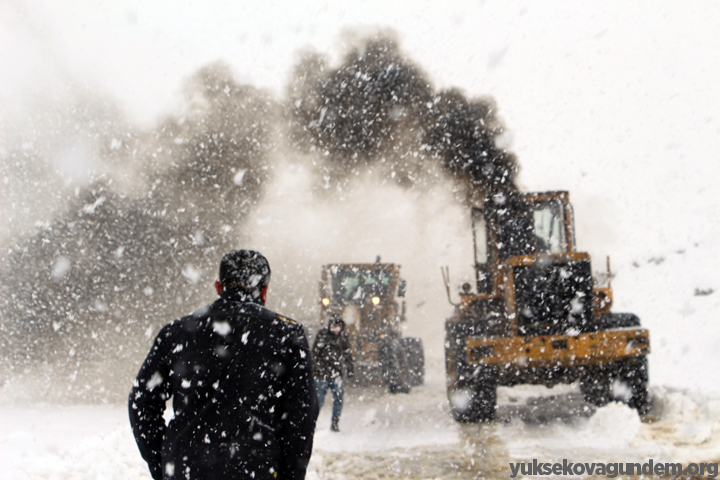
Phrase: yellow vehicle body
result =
(537, 316)
(552, 350)
(369, 299)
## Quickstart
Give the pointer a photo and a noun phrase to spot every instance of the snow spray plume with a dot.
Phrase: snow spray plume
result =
(44, 157)
(214, 158)
(379, 108)
(464, 135)
(87, 293)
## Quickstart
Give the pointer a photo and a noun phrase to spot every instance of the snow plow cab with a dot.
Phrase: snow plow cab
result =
(365, 296)
(537, 316)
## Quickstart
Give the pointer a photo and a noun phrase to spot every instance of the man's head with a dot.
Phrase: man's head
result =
(336, 324)
(246, 271)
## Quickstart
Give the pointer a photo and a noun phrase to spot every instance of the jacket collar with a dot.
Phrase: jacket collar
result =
(239, 296)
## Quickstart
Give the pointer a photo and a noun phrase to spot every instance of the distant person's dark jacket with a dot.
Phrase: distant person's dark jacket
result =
(243, 396)
(330, 352)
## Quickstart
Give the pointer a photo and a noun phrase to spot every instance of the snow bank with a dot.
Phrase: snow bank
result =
(388, 436)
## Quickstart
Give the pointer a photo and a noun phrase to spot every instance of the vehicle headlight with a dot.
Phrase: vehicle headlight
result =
(326, 301)
(376, 300)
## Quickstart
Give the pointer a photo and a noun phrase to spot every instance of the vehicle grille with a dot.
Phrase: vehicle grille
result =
(553, 298)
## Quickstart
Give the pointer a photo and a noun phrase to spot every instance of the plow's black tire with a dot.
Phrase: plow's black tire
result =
(415, 360)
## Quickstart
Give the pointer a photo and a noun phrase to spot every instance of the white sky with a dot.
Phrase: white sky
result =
(594, 92)
(601, 80)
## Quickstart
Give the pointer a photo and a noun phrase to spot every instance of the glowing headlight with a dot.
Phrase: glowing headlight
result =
(326, 301)
(376, 300)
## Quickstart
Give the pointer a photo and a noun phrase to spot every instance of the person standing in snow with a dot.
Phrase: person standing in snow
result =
(241, 382)
(330, 351)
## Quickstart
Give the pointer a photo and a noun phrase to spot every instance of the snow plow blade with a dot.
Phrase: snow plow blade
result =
(550, 350)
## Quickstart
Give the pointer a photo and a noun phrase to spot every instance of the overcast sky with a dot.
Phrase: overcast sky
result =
(592, 92)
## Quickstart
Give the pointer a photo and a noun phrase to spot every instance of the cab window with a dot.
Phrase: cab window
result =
(549, 227)
(480, 233)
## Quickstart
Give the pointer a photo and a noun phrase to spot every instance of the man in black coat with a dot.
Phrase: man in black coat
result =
(331, 351)
(241, 381)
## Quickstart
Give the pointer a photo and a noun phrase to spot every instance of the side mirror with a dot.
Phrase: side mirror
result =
(402, 287)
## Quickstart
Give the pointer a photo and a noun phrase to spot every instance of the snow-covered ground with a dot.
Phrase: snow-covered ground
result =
(408, 436)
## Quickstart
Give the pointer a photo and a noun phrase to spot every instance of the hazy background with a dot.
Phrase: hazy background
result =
(616, 102)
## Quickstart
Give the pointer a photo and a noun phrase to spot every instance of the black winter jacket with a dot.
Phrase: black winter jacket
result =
(330, 351)
(244, 399)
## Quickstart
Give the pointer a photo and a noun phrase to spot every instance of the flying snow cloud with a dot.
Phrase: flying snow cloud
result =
(377, 109)
(360, 159)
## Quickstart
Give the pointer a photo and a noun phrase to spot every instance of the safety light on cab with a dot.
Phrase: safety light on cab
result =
(326, 301)
(376, 300)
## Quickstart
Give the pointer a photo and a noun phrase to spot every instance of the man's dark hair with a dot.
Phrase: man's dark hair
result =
(245, 270)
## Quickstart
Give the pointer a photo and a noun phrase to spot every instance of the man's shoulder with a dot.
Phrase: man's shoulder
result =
(187, 324)
(257, 314)
(193, 318)
(281, 318)
(269, 317)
